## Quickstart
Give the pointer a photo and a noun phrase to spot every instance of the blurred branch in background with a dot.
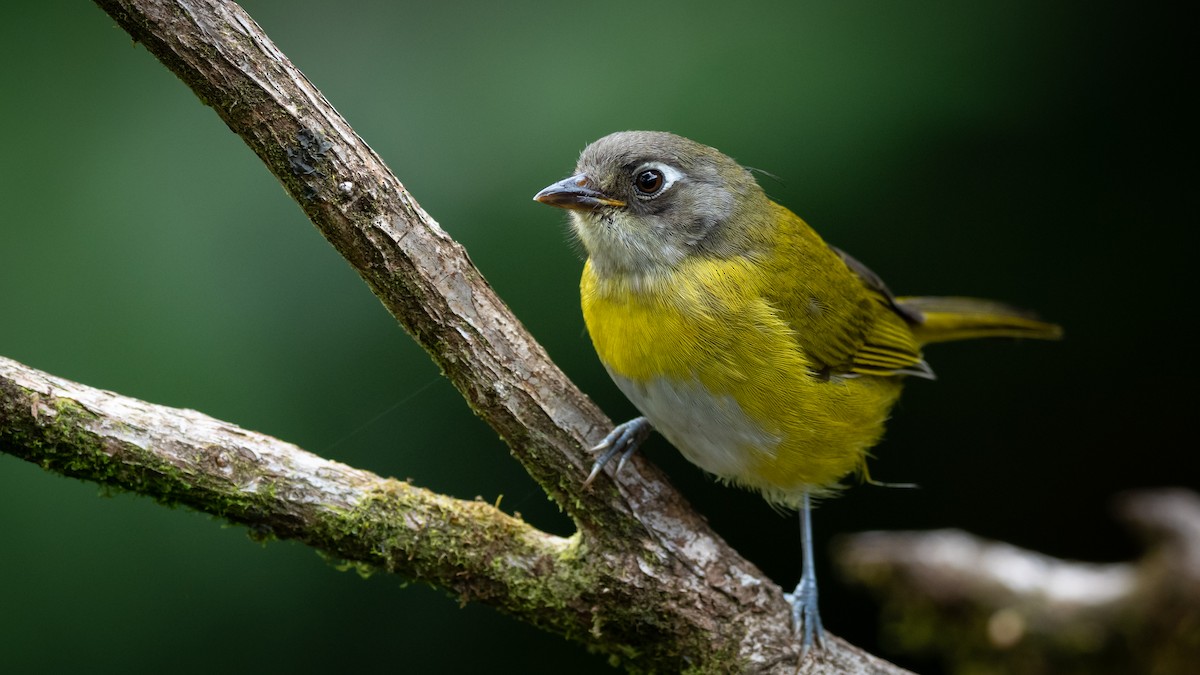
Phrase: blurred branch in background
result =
(989, 607)
(644, 580)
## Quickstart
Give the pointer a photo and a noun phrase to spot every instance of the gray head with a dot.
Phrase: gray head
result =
(644, 200)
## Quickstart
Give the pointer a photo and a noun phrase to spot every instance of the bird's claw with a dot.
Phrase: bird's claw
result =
(806, 619)
(625, 439)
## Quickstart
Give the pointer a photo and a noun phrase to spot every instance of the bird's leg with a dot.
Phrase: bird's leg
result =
(624, 440)
(806, 618)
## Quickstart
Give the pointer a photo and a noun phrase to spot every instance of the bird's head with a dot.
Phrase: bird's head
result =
(643, 201)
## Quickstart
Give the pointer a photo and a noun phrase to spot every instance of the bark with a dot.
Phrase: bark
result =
(643, 579)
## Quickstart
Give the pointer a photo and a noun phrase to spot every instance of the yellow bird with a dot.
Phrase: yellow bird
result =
(767, 357)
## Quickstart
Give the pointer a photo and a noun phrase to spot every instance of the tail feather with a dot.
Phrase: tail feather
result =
(951, 318)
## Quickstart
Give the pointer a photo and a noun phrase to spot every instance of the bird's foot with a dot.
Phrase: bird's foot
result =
(623, 440)
(806, 618)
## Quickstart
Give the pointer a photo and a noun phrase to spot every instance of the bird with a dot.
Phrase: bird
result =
(767, 357)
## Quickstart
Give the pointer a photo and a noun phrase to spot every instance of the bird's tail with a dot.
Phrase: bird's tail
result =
(945, 319)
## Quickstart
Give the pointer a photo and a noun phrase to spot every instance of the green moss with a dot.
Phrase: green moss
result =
(57, 434)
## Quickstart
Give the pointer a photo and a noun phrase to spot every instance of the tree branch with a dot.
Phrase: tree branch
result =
(184, 457)
(644, 579)
(987, 606)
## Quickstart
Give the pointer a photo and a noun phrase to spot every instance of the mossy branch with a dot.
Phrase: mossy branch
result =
(644, 579)
(184, 457)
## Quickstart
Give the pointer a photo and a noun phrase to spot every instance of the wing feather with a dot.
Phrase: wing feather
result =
(843, 315)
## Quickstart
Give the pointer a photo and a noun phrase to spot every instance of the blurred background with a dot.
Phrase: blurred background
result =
(1038, 153)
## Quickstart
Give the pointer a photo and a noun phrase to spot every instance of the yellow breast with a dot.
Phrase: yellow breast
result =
(723, 377)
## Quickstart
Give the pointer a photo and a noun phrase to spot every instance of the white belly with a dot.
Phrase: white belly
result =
(712, 432)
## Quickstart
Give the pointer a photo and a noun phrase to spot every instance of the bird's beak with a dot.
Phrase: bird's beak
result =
(576, 193)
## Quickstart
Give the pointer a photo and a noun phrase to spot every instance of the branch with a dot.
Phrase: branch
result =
(630, 605)
(988, 605)
(644, 579)
(184, 457)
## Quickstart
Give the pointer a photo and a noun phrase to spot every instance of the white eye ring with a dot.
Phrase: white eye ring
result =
(669, 175)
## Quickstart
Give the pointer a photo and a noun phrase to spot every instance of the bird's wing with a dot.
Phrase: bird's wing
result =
(890, 347)
(844, 317)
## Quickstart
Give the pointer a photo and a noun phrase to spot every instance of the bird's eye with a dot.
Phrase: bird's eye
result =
(649, 182)
(652, 179)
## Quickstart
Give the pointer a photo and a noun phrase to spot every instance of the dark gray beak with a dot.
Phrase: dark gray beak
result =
(577, 193)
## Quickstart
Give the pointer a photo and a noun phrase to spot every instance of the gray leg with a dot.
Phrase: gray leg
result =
(806, 619)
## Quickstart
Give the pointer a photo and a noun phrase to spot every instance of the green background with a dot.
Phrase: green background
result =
(1034, 152)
